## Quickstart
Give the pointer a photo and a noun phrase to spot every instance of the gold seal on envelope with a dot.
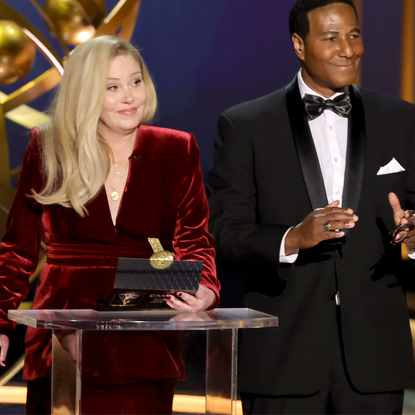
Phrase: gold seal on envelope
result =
(161, 259)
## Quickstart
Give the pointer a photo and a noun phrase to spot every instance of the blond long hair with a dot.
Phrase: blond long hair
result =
(75, 159)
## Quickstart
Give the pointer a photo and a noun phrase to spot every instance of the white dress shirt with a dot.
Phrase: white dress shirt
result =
(329, 132)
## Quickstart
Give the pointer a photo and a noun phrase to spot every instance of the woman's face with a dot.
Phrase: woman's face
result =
(125, 98)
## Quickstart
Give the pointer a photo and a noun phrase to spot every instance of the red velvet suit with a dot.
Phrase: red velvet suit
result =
(164, 197)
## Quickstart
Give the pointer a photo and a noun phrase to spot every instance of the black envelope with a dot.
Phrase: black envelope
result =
(138, 285)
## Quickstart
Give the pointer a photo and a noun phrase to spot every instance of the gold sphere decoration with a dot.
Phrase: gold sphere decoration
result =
(17, 52)
(75, 21)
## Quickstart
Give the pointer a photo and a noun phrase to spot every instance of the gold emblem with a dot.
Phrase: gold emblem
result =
(161, 259)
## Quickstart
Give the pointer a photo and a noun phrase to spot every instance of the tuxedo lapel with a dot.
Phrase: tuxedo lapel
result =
(304, 144)
(355, 158)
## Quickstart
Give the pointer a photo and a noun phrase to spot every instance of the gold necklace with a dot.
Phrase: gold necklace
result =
(115, 195)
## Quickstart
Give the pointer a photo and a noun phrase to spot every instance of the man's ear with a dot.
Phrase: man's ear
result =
(298, 44)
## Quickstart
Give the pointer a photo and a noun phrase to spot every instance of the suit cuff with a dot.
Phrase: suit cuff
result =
(411, 252)
(292, 256)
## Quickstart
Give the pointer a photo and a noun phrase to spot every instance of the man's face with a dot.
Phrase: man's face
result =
(331, 52)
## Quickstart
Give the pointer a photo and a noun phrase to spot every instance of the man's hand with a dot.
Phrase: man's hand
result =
(4, 347)
(401, 217)
(312, 230)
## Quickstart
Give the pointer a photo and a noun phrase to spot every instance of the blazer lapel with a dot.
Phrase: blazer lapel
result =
(356, 148)
(306, 150)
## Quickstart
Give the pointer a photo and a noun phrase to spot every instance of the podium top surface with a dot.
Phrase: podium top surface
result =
(220, 318)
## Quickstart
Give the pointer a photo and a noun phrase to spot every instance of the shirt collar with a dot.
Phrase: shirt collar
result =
(305, 89)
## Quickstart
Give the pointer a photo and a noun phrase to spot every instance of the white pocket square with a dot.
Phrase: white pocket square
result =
(392, 167)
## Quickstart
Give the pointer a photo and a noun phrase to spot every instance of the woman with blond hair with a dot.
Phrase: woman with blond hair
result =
(96, 182)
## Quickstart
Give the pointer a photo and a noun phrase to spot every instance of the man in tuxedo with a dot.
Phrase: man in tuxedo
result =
(306, 185)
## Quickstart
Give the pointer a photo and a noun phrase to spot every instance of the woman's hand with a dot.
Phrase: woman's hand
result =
(192, 304)
(4, 347)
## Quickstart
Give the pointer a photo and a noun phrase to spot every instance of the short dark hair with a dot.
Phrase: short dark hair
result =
(298, 19)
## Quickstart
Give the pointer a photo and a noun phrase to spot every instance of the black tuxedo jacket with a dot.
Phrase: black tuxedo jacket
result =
(266, 178)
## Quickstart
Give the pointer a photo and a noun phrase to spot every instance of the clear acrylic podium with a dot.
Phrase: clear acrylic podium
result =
(209, 346)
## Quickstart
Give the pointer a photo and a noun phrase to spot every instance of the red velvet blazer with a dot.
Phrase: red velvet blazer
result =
(164, 197)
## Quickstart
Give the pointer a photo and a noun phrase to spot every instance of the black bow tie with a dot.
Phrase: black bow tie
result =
(315, 106)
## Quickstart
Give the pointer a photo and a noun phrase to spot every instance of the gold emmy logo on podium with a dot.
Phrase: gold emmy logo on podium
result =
(71, 22)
